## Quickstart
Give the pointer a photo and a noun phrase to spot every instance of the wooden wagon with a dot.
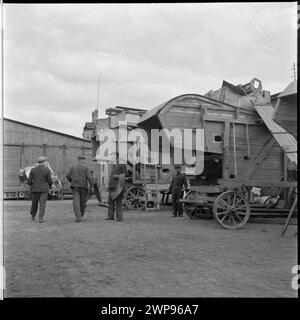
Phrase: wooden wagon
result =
(243, 148)
(147, 185)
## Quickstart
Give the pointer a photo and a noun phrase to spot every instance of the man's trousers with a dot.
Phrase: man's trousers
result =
(177, 194)
(79, 201)
(115, 206)
(38, 199)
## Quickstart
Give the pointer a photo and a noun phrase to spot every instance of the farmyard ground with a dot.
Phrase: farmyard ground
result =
(149, 254)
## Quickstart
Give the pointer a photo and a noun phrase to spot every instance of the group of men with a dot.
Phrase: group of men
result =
(84, 184)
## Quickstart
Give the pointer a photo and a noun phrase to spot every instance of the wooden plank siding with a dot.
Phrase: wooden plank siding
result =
(23, 144)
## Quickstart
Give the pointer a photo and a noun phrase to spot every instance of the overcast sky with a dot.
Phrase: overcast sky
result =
(146, 54)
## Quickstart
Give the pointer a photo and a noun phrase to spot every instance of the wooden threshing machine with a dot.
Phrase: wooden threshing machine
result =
(243, 148)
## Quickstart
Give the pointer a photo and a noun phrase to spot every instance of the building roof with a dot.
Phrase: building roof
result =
(89, 125)
(49, 130)
(291, 89)
(118, 109)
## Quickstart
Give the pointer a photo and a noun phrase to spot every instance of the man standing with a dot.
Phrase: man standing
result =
(116, 187)
(79, 176)
(94, 190)
(40, 180)
(176, 186)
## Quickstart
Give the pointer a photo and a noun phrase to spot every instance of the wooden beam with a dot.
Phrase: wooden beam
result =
(234, 150)
(240, 120)
(226, 149)
(256, 183)
(248, 142)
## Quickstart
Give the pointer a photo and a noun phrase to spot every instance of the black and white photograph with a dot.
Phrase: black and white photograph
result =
(149, 150)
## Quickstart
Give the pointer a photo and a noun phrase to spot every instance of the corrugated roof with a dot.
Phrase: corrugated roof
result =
(291, 89)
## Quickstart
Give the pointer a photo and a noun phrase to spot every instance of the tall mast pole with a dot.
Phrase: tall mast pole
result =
(98, 93)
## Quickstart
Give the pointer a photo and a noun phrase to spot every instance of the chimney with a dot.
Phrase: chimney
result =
(94, 115)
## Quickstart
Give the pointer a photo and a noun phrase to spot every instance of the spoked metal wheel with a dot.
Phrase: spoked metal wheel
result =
(192, 209)
(231, 210)
(135, 198)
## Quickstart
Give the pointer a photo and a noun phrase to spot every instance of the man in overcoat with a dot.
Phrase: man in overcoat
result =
(79, 175)
(176, 188)
(39, 180)
(116, 187)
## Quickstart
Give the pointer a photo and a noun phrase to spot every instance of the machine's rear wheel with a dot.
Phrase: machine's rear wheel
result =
(135, 198)
(231, 210)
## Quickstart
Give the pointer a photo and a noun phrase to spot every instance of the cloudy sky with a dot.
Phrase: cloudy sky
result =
(146, 54)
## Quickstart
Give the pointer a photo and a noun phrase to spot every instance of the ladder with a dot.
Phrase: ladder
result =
(151, 186)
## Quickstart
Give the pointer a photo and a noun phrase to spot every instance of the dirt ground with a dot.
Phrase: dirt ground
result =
(149, 254)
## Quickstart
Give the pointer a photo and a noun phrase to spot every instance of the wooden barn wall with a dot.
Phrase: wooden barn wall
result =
(22, 148)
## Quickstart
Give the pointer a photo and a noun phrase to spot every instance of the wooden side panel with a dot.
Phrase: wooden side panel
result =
(183, 117)
(12, 158)
(271, 165)
(214, 136)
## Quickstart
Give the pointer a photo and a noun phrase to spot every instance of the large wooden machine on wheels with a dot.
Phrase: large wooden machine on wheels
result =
(243, 148)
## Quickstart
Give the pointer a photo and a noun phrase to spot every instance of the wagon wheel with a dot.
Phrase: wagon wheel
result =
(231, 210)
(135, 198)
(193, 209)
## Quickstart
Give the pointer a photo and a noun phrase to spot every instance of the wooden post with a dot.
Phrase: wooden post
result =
(226, 149)
(248, 143)
(289, 215)
(285, 192)
(234, 149)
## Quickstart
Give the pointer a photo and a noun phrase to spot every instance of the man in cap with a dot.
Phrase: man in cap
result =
(40, 180)
(176, 186)
(115, 188)
(79, 175)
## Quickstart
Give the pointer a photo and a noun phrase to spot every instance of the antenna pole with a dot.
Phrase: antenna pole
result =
(98, 93)
(294, 71)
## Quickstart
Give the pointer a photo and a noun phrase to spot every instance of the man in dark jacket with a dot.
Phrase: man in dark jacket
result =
(40, 180)
(115, 203)
(176, 186)
(79, 176)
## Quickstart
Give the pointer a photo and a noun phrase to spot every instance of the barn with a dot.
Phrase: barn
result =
(24, 142)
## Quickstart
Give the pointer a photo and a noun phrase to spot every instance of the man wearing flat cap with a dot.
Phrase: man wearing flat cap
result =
(176, 186)
(79, 175)
(40, 180)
